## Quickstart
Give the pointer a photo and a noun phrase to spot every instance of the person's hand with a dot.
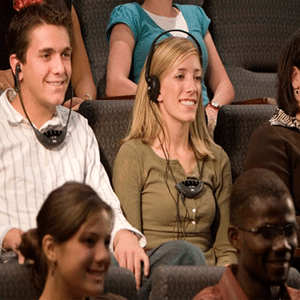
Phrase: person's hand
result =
(212, 119)
(130, 254)
(6, 79)
(76, 101)
(12, 241)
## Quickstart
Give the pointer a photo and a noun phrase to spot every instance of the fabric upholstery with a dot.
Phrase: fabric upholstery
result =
(110, 120)
(249, 36)
(93, 17)
(15, 283)
(235, 125)
(184, 282)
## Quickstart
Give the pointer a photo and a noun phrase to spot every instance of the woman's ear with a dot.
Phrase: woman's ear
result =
(49, 247)
(295, 80)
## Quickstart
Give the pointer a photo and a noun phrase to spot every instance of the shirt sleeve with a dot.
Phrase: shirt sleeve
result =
(266, 150)
(224, 252)
(97, 178)
(127, 182)
(125, 14)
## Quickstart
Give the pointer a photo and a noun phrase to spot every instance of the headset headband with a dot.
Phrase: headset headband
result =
(152, 81)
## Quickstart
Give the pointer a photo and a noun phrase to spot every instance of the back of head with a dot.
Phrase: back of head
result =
(251, 185)
(65, 210)
(18, 37)
(289, 58)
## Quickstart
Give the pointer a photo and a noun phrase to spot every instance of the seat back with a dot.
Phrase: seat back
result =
(235, 125)
(15, 282)
(110, 120)
(249, 36)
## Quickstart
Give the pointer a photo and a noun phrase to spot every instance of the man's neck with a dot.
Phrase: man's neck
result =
(38, 115)
(256, 289)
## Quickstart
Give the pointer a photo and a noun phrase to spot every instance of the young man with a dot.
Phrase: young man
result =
(32, 163)
(264, 232)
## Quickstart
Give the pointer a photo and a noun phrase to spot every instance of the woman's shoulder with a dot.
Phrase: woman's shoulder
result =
(134, 147)
(130, 14)
(127, 8)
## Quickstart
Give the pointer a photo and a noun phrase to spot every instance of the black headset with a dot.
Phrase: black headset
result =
(152, 80)
(51, 138)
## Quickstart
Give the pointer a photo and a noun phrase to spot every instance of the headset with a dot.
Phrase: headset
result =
(152, 80)
(51, 138)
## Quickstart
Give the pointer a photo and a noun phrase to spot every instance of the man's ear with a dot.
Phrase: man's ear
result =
(49, 247)
(234, 236)
(295, 80)
(14, 61)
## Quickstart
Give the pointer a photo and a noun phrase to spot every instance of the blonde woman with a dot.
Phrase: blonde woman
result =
(172, 180)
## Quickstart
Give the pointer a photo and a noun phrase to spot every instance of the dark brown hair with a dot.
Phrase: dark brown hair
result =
(252, 184)
(27, 19)
(61, 216)
(289, 58)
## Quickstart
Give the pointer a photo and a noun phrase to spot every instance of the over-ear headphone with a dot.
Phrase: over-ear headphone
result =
(51, 138)
(152, 80)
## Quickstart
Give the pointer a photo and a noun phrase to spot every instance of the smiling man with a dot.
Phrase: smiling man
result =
(42, 144)
(264, 232)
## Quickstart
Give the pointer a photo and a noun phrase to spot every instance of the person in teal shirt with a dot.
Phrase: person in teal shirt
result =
(133, 27)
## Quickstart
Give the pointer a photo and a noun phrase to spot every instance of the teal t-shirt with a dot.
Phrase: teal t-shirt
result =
(145, 30)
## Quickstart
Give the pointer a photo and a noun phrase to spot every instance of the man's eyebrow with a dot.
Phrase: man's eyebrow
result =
(51, 50)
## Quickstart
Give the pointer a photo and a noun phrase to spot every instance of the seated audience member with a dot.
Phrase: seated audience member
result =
(172, 180)
(82, 80)
(276, 144)
(263, 229)
(69, 249)
(133, 27)
(43, 144)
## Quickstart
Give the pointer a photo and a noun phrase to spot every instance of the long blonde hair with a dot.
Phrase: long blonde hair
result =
(147, 122)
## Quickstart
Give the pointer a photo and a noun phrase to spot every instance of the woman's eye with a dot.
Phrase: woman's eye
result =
(179, 76)
(90, 242)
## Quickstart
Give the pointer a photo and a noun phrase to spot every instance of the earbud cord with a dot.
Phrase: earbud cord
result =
(179, 224)
(34, 128)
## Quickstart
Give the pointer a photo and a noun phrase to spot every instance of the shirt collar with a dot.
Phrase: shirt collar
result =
(283, 119)
(15, 118)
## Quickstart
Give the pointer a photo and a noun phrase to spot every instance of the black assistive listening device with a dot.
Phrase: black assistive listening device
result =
(189, 188)
(51, 138)
(152, 80)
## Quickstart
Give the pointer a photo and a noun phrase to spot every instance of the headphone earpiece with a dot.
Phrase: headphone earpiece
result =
(153, 88)
(16, 77)
(152, 80)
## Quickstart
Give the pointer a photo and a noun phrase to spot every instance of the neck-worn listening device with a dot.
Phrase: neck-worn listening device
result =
(152, 80)
(189, 188)
(51, 138)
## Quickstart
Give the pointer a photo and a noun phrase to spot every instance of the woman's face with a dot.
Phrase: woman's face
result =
(83, 260)
(180, 89)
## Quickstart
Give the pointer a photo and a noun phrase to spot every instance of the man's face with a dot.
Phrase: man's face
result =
(46, 74)
(263, 259)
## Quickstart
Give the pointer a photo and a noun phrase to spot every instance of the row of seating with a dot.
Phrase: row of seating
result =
(249, 36)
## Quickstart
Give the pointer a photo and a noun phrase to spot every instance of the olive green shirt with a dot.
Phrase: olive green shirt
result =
(148, 196)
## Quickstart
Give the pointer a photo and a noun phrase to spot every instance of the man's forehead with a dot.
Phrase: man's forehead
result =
(269, 206)
(46, 36)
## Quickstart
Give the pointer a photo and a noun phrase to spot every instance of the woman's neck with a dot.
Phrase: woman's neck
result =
(173, 140)
(54, 289)
(161, 8)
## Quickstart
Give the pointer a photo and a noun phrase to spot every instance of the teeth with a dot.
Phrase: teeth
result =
(187, 103)
(56, 83)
